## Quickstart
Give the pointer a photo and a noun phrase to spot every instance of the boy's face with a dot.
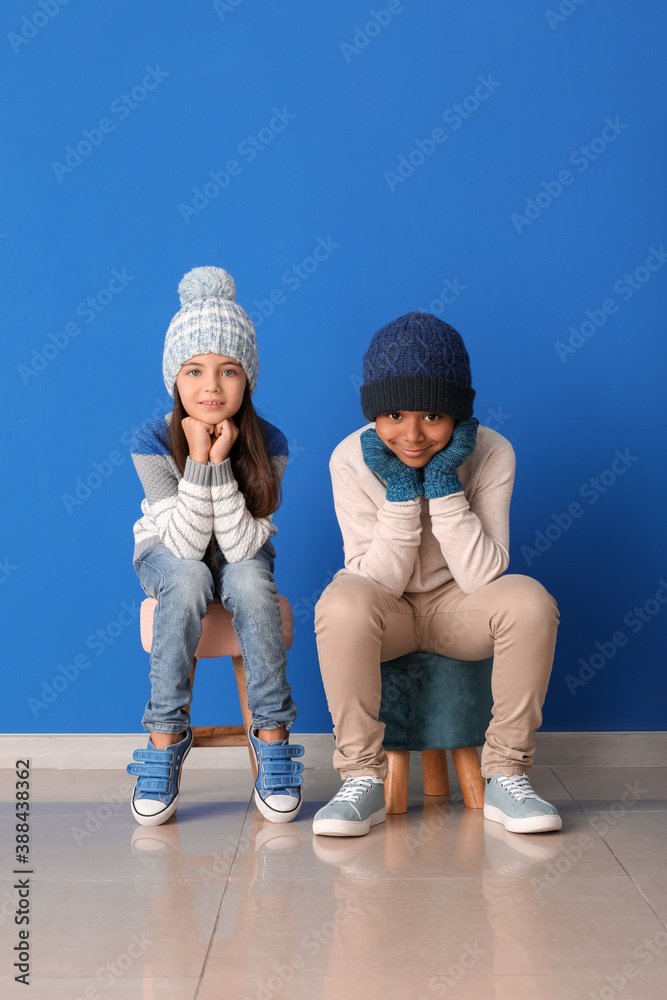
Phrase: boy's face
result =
(414, 435)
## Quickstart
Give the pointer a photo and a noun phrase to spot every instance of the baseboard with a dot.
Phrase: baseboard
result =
(78, 751)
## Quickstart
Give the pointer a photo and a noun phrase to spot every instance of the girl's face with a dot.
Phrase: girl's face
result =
(211, 387)
(415, 436)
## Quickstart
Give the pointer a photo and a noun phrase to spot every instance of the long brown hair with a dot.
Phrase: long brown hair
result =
(249, 456)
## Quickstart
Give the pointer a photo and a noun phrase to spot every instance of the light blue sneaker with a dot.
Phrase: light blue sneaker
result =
(512, 802)
(155, 796)
(353, 810)
(278, 785)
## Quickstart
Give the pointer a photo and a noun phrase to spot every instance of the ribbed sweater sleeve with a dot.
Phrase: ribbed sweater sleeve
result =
(474, 535)
(379, 543)
(181, 509)
(238, 533)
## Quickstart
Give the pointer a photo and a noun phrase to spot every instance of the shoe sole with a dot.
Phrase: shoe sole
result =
(348, 827)
(158, 818)
(274, 814)
(530, 824)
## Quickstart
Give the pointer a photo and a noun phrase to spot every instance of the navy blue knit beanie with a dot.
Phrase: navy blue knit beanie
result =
(417, 362)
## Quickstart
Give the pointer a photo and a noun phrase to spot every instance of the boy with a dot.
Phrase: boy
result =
(422, 501)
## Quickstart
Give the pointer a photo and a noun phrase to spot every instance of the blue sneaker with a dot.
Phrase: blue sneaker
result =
(155, 796)
(353, 810)
(278, 785)
(512, 802)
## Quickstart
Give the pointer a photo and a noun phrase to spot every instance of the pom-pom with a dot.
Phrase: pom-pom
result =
(206, 283)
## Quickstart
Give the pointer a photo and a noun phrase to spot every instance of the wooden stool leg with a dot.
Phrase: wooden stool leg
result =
(396, 785)
(239, 672)
(434, 771)
(466, 762)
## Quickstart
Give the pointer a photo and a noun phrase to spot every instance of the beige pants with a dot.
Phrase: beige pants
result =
(358, 625)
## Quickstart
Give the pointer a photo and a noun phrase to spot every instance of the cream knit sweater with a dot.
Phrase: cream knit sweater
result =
(420, 544)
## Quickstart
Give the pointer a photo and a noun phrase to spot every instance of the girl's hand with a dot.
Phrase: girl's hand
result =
(198, 436)
(226, 433)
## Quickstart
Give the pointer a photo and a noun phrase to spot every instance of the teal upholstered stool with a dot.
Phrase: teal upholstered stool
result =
(434, 704)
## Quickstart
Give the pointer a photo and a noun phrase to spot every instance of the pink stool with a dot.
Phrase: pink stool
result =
(218, 638)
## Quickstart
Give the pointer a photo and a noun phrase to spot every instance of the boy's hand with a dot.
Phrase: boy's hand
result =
(226, 433)
(440, 479)
(198, 436)
(403, 482)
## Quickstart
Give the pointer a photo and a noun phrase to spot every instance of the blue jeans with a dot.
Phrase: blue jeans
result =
(184, 588)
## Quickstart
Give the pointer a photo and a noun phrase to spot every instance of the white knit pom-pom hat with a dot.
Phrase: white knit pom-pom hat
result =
(209, 322)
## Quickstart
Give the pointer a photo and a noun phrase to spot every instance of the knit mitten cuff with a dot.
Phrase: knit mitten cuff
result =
(440, 484)
(406, 485)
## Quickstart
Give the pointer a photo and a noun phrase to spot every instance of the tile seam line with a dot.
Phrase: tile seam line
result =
(222, 899)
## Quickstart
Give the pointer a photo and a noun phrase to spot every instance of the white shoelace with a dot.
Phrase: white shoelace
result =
(519, 787)
(353, 789)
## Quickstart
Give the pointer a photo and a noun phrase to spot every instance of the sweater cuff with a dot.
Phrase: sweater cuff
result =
(222, 474)
(196, 473)
(407, 507)
(448, 505)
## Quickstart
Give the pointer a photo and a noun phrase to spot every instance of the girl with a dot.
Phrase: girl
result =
(211, 472)
(422, 500)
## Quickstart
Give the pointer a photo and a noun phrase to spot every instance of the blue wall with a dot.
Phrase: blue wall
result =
(502, 167)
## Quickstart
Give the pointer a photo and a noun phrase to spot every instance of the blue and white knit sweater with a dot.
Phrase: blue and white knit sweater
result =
(183, 512)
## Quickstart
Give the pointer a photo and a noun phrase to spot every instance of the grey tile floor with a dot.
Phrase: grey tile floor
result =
(435, 903)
